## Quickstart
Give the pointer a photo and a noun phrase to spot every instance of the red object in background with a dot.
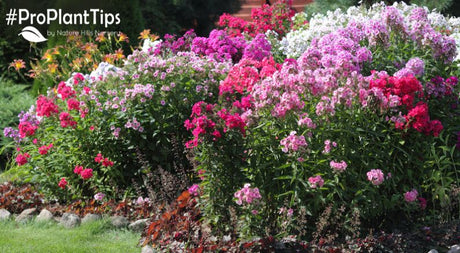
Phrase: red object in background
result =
(248, 5)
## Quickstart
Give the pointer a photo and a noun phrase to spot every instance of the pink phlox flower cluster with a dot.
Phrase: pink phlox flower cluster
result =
(220, 46)
(293, 143)
(247, 195)
(338, 166)
(325, 107)
(232, 121)
(304, 120)
(134, 124)
(375, 176)
(73, 104)
(146, 91)
(328, 146)
(43, 150)
(411, 196)
(22, 159)
(115, 131)
(316, 181)
(142, 201)
(99, 196)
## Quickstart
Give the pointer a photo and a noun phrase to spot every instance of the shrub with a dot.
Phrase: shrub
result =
(101, 131)
(352, 122)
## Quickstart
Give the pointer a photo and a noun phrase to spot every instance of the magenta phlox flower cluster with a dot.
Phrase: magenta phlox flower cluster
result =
(293, 143)
(247, 195)
(258, 49)
(220, 46)
(439, 87)
(411, 196)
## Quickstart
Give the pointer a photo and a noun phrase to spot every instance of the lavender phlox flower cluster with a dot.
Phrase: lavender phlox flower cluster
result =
(10, 132)
(416, 65)
(394, 20)
(377, 33)
(437, 87)
(134, 124)
(146, 91)
(293, 143)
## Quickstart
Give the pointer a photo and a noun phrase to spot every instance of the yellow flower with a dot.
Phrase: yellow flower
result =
(48, 56)
(108, 58)
(144, 34)
(154, 37)
(122, 37)
(119, 54)
(18, 64)
(52, 68)
(101, 37)
(89, 47)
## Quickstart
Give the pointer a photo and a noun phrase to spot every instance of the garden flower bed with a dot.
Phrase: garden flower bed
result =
(315, 133)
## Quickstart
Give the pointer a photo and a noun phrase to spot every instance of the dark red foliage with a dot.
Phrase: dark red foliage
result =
(16, 199)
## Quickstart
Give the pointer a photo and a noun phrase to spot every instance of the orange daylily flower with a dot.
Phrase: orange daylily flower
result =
(48, 56)
(122, 37)
(101, 37)
(119, 54)
(52, 68)
(18, 64)
(144, 34)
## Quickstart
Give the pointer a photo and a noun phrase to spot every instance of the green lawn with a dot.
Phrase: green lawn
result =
(51, 237)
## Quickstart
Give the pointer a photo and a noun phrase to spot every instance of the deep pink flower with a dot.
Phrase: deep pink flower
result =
(107, 163)
(422, 203)
(78, 169)
(98, 158)
(26, 129)
(87, 173)
(62, 183)
(21, 159)
(43, 150)
(193, 190)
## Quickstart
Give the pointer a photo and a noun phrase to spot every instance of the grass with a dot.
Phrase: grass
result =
(50, 237)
